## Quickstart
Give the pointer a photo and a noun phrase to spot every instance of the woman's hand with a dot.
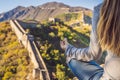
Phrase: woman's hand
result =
(64, 43)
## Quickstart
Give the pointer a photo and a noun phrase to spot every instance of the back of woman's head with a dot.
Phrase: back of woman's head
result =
(108, 28)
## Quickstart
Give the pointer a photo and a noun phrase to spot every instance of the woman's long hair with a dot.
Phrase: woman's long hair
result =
(108, 27)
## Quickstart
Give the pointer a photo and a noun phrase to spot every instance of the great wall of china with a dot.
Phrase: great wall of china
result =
(40, 71)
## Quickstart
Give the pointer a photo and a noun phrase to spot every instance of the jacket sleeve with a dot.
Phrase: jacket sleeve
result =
(93, 52)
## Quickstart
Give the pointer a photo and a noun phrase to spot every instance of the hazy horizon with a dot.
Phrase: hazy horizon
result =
(8, 5)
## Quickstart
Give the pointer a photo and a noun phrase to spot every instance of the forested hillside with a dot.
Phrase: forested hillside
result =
(15, 63)
(48, 36)
(14, 59)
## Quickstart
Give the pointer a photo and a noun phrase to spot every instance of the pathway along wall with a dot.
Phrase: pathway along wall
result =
(40, 71)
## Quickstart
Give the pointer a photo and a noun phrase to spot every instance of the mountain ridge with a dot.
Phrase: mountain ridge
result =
(41, 12)
(56, 5)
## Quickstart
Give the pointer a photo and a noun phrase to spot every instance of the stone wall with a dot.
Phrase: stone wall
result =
(40, 71)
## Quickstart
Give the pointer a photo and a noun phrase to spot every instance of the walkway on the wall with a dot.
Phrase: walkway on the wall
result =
(40, 71)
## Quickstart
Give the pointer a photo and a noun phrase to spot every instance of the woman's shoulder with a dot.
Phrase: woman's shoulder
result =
(96, 14)
(97, 8)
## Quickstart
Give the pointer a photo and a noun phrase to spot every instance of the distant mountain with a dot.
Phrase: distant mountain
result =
(54, 5)
(39, 13)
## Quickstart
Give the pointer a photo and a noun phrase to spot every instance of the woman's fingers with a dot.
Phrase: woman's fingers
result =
(64, 43)
(65, 40)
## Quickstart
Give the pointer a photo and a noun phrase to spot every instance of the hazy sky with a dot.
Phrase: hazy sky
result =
(6, 5)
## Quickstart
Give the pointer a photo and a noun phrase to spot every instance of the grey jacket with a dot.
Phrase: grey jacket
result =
(94, 52)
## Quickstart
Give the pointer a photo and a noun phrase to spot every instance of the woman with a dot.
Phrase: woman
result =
(105, 36)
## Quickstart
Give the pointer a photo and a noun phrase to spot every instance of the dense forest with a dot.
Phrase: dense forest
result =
(48, 35)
